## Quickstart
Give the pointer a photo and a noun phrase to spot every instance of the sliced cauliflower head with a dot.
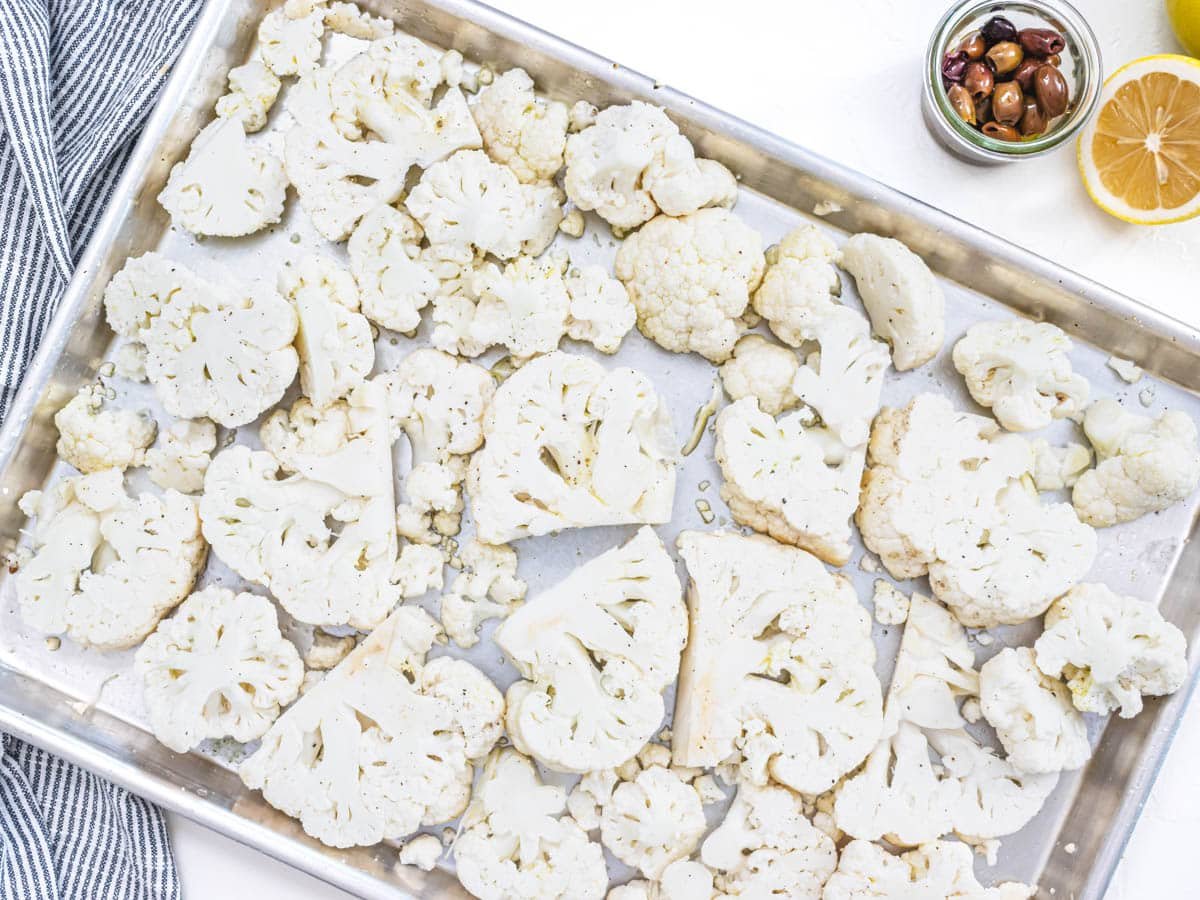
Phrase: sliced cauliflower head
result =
(469, 205)
(1144, 465)
(226, 187)
(947, 494)
(516, 844)
(1020, 370)
(93, 438)
(218, 668)
(631, 162)
(601, 312)
(104, 567)
(799, 285)
(941, 869)
(291, 45)
(384, 743)
(901, 296)
(690, 280)
(766, 847)
(222, 354)
(334, 340)
(571, 445)
(764, 371)
(182, 455)
(596, 651)
(487, 588)
(519, 129)
(778, 671)
(652, 821)
(394, 282)
(1032, 714)
(1111, 649)
(253, 88)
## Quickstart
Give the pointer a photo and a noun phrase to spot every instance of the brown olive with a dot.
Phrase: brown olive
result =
(1040, 42)
(1023, 74)
(1054, 60)
(979, 80)
(960, 100)
(1005, 57)
(1008, 102)
(1032, 120)
(1001, 132)
(1051, 91)
(973, 45)
(983, 110)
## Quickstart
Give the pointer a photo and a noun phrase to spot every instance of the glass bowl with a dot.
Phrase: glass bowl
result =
(1080, 66)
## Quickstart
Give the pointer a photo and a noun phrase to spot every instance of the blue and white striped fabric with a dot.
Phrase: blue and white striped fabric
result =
(77, 79)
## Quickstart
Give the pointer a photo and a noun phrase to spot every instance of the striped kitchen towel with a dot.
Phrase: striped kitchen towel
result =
(77, 79)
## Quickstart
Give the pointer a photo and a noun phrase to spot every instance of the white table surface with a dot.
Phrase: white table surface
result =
(843, 78)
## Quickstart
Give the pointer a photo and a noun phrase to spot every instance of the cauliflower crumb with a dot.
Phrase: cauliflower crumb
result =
(654, 755)
(130, 361)
(422, 851)
(573, 224)
(708, 790)
(891, 606)
(868, 563)
(582, 115)
(93, 438)
(1129, 371)
(328, 650)
(971, 710)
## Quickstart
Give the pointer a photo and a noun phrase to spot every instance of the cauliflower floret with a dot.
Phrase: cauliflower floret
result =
(652, 821)
(336, 349)
(182, 455)
(469, 205)
(360, 129)
(516, 844)
(1143, 465)
(596, 652)
(1111, 649)
(632, 162)
(940, 869)
(570, 445)
(211, 353)
(276, 531)
(690, 280)
(225, 187)
(891, 605)
(130, 361)
(92, 438)
(586, 801)
(349, 19)
(218, 668)
(382, 744)
(328, 650)
(682, 880)
(422, 851)
(601, 312)
(432, 506)
(799, 285)
(766, 847)
(520, 130)
(947, 495)
(104, 568)
(487, 588)
(764, 371)
(394, 282)
(901, 297)
(419, 570)
(1020, 370)
(291, 45)
(1032, 714)
(1055, 468)
(253, 88)
(760, 611)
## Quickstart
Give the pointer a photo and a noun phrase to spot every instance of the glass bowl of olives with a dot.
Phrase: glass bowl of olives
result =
(1009, 81)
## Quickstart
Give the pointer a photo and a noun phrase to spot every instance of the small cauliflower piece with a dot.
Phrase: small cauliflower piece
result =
(334, 340)
(1144, 465)
(328, 650)
(349, 19)
(519, 129)
(1111, 649)
(596, 651)
(764, 371)
(939, 869)
(901, 296)
(226, 187)
(394, 282)
(487, 588)
(799, 285)
(291, 45)
(182, 455)
(1127, 370)
(652, 821)
(690, 280)
(104, 567)
(469, 205)
(571, 445)
(631, 162)
(93, 438)
(213, 353)
(1020, 370)
(432, 505)
(891, 606)
(778, 670)
(253, 88)
(516, 844)
(1055, 468)
(422, 851)
(600, 312)
(384, 743)
(130, 361)
(766, 847)
(217, 668)
(419, 570)
(1032, 714)
(586, 801)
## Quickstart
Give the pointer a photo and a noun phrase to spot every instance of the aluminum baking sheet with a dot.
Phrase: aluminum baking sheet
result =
(85, 705)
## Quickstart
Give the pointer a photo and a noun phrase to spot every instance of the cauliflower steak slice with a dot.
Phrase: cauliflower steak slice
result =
(394, 281)
(652, 821)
